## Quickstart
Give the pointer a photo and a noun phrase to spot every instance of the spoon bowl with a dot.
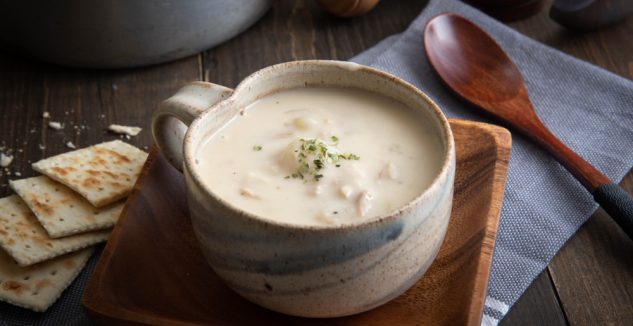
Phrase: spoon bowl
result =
(455, 63)
(475, 67)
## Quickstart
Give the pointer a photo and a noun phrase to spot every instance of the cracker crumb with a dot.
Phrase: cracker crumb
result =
(125, 130)
(17, 174)
(70, 145)
(55, 125)
(5, 160)
(46, 115)
(41, 147)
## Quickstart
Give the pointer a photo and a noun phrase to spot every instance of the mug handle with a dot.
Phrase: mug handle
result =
(174, 115)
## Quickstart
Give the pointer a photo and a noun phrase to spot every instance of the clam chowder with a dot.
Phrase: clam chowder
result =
(321, 156)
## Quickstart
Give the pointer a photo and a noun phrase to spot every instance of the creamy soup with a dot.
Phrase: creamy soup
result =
(321, 156)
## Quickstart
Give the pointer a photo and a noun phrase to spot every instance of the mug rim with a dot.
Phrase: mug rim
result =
(350, 67)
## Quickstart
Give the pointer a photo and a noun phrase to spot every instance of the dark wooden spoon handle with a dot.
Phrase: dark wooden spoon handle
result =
(618, 203)
(615, 200)
(590, 177)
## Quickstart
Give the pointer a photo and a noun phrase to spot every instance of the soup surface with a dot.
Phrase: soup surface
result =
(321, 156)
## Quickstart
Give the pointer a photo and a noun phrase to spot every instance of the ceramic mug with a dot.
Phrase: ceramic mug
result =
(309, 271)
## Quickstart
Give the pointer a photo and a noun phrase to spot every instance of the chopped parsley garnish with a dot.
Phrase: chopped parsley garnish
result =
(314, 155)
(257, 148)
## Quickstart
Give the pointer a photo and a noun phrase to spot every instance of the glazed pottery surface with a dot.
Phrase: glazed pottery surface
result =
(310, 271)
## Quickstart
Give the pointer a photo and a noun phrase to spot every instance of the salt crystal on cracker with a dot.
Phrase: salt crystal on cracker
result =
(22, 236)
(61, 211)
(37, 287)
(102, 174)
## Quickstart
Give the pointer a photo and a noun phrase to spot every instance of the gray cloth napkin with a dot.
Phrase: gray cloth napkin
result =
(590, 109)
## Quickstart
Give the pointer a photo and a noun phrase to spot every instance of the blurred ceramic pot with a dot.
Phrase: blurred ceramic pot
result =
(121, 33)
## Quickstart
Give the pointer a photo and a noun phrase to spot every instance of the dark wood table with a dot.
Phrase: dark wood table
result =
(589, 282)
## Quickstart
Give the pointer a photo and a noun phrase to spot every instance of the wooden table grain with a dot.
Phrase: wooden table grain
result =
(589, 282)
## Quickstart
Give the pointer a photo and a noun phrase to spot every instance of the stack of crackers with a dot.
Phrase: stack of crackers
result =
(49, 229)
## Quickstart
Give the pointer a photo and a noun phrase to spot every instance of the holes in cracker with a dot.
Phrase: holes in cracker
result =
(35, 293)
(53, 272)
(96, 212)
(100, 188)
(26, 278)
(61, 219)
(27, 246)
(71, 206)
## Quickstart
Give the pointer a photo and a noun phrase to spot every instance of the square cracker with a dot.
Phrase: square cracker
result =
(61, 211)
(102, 173)
(38, 286)
(22, 236)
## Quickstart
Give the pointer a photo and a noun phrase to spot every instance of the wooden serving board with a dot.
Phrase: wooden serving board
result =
(152, 272)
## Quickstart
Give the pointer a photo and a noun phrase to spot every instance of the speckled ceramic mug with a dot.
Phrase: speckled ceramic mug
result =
(310, 271)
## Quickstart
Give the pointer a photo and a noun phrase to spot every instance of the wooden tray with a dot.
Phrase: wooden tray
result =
(152, 272)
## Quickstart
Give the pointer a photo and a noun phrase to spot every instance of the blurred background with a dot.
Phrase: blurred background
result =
(121, 34)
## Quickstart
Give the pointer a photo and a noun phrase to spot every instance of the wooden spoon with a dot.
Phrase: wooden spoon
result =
(476, 68)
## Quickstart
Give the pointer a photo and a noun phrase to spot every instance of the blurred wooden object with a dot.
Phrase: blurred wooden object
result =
(347, 8)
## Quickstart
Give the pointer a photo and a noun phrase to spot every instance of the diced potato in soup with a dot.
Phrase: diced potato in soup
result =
(321, 156)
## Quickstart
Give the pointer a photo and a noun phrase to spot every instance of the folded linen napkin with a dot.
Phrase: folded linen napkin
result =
(590, 109)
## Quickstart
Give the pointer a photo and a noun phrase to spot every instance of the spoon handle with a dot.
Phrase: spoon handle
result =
(618, 203)
(615, 200)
